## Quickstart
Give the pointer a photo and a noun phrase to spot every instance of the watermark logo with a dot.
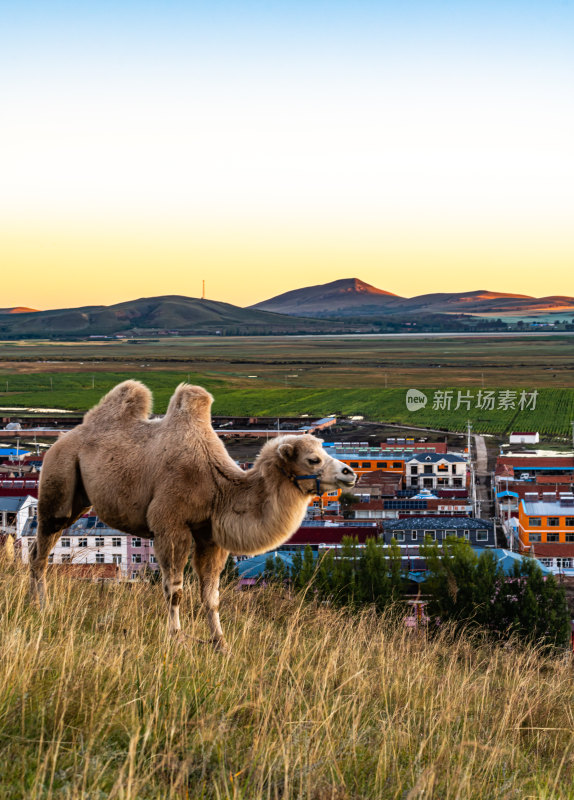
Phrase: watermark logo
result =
(484, 399)
(416, 400)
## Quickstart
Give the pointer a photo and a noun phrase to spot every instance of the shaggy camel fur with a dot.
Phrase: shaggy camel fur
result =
(173, 480)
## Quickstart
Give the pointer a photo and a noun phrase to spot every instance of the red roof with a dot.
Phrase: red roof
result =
(556, 462)
(332, 534)
(378, 478)
(553, 550)
(557, 480)
(372, 505)
(448, 502)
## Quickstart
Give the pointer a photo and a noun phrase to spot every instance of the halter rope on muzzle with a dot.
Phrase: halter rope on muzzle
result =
(296, 478)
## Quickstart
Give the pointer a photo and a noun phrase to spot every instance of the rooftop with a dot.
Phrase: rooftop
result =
(12, 504)
(543, 508)
(437, 523)
(434, 458)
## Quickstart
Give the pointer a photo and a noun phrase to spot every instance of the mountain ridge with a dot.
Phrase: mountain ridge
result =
(353, 297)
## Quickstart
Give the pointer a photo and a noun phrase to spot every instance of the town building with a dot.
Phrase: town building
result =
(549, 521)
(529, 437)
(15, 512)
(91, 541)
(415, 530)
(436, 470)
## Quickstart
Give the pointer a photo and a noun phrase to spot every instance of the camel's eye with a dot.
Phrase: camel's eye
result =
(314, 460)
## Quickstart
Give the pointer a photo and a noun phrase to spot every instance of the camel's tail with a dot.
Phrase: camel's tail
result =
(130, 400)
(192, 403)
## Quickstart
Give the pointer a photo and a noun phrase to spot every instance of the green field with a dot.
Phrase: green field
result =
(79, 391)
(309, 375)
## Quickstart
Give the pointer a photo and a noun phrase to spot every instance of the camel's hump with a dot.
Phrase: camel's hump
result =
(128, 400)
(191, 402)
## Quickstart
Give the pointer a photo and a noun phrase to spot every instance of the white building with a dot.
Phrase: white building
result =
(436, 470)
(91, 541)
(530, 437)
(15, 513)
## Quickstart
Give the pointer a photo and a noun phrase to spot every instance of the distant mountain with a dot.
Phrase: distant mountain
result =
(354, 298)
(152, 315)
(329, 299)
(17, 310)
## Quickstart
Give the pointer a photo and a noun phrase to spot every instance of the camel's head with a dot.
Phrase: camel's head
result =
(304, 456)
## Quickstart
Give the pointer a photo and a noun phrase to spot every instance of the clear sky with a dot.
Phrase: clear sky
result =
(421, 146)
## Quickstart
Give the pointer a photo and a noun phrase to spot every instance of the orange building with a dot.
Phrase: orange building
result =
(546, 522)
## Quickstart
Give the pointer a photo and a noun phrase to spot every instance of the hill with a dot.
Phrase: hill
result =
(346, 295)
(18, 310)
(149, 315)
(354, 298)
(314, 703)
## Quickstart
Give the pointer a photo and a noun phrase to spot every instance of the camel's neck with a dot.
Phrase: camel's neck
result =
(260, 512)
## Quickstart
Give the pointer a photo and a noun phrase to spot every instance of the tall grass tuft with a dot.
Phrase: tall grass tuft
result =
(313, 702)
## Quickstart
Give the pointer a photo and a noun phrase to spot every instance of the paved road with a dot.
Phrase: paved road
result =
(483, 488)
(481, 455)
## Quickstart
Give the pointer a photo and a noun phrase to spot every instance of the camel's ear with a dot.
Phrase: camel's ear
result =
(286, 451)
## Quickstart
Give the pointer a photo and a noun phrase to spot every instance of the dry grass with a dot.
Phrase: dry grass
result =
(95, 702)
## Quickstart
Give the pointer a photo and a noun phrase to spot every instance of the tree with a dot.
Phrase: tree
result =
(474, 590)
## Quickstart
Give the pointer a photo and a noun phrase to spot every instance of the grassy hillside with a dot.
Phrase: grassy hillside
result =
(171, 312)
(551, 417)
(96, 702)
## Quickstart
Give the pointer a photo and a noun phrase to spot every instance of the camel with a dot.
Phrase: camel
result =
(172, 480)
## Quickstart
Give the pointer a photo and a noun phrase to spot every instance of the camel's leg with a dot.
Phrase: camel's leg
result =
(208, 561)
(49, 529)
(172, 552)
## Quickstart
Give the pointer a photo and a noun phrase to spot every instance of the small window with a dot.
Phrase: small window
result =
(414, 536)
(482, 536)
(570, 537)
(152, 559)
(116, 559)
(397, 464)
(66, 558)
(414, 470)
(553, 522)
(134, 576)
(116, 541)
(100, 558)
(51, 558)
(450, 533)
(467, 535)
(535, 537)
(399, 536)
(136, 558)
(547, 562)
(564, 563)
(354, 464)
(99, 541)
(365, 465)
(64, 542)
(552, 537)
(430, 535)
(535, 522)
(570, 522)
(83, 541)
(136, 541)
(382, 465)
